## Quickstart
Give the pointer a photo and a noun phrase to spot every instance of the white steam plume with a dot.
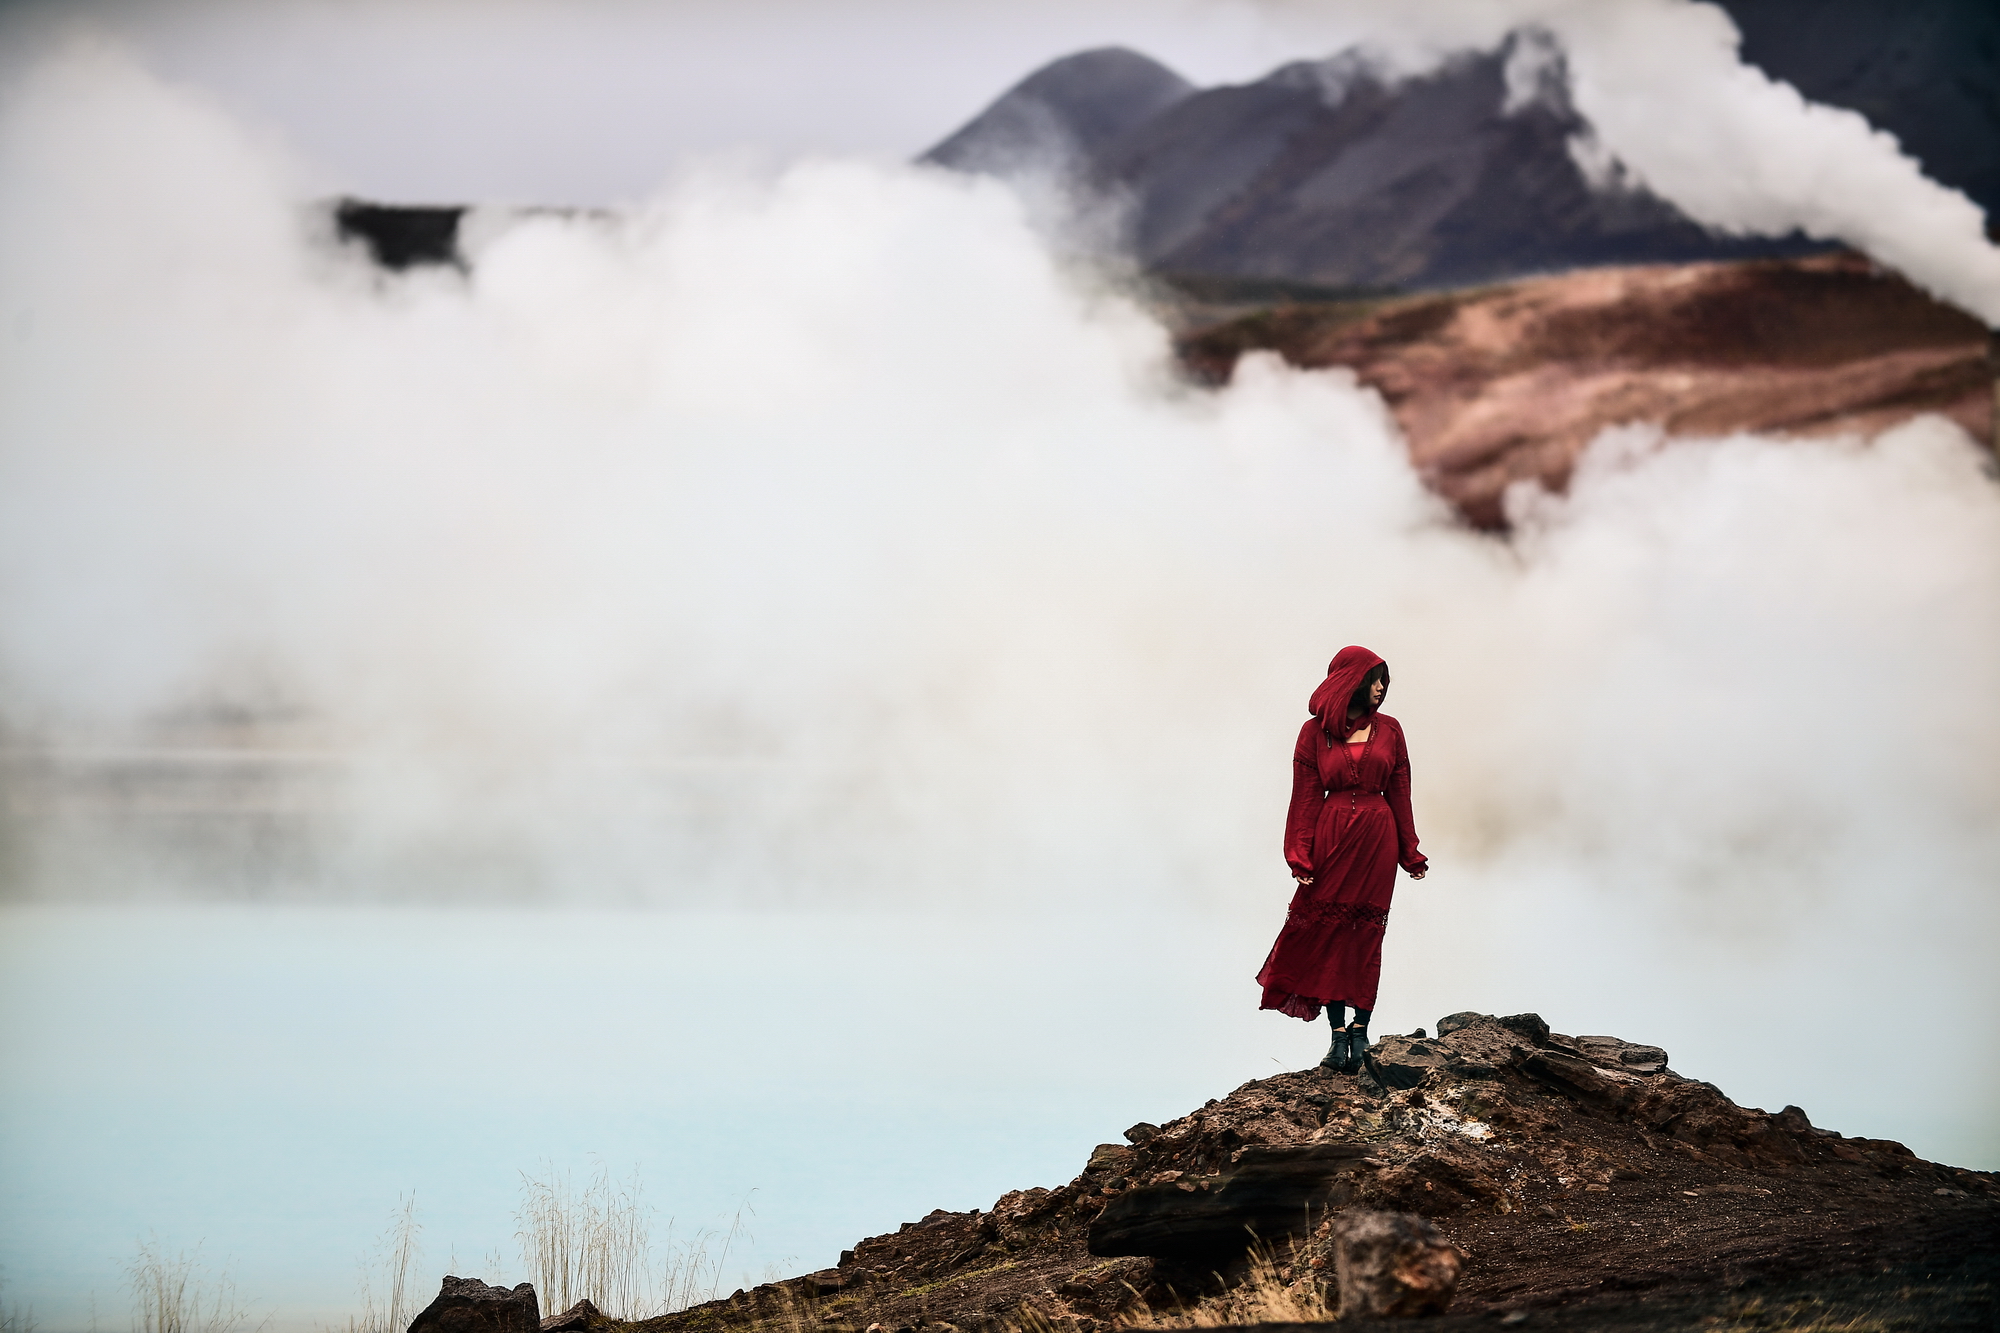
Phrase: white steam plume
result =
(1663, 86)
(819, 538)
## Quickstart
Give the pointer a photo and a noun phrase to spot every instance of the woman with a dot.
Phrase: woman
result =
(1347, 830)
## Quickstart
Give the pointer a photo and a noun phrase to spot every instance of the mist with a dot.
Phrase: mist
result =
(819, 537)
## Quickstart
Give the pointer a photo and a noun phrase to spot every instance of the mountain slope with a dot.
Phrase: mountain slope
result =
(1328, 175)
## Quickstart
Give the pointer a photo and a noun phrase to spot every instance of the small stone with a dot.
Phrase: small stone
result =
(1143, 1132)
(1392, 1264)
(577, 1317)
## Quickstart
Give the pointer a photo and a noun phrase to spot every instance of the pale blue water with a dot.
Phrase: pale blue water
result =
(266, 1081)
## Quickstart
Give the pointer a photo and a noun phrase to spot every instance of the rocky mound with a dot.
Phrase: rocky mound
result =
(1579, 1177)
(1502, 384)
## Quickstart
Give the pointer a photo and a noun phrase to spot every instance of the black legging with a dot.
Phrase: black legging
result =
(1336, 1014)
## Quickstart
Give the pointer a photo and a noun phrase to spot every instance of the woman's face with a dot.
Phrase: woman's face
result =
(1376, 689)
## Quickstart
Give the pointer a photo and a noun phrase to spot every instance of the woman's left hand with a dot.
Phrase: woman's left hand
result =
(1420, 872)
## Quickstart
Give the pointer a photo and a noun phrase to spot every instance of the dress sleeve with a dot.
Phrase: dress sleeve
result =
(1398, 792)
(1302, 816)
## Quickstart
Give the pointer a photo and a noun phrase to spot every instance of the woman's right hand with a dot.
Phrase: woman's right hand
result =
(1303, 879)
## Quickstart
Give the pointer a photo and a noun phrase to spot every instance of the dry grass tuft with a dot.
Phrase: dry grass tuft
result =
(171, 1295)
(391, 1309)
(596, 1243)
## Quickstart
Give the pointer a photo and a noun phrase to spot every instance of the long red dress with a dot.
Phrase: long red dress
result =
(1348, 827)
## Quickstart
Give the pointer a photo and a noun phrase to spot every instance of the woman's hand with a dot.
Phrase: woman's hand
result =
(1420, 871)
(1303, 879)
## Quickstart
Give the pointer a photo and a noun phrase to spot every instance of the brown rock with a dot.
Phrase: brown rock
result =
(467, 1305)
(1392, 1264)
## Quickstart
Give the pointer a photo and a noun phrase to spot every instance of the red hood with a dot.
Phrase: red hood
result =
(1344, 674)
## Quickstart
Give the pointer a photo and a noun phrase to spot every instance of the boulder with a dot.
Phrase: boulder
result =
(1392, 1264)
(467, 1305)
(573, 1320)
(1273, 1193)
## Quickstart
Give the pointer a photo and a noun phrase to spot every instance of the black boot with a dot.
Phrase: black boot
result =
(1357, 1049)
(1336, 1055)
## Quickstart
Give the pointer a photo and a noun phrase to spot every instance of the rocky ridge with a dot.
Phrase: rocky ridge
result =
(1571, 1173)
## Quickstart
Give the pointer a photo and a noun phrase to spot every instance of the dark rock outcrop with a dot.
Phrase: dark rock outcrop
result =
(467, 1305)
(1267, 1195)
(400, 236)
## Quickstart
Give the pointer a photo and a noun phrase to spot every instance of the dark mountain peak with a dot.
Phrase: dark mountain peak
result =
(1338, 175)
(1066, 110)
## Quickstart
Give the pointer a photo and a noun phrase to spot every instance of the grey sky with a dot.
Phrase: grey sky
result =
(591, 101)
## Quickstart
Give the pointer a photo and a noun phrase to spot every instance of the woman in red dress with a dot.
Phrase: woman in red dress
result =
(1348, 829)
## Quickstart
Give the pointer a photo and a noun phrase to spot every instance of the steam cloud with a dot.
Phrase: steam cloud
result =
(820, 537)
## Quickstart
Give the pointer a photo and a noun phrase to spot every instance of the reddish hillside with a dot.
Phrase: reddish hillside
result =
(1499, 384)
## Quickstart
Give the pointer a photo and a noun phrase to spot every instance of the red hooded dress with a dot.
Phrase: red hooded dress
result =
(1349, 827)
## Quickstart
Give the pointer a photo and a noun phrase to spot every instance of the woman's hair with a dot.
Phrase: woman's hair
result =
(1358, 701)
